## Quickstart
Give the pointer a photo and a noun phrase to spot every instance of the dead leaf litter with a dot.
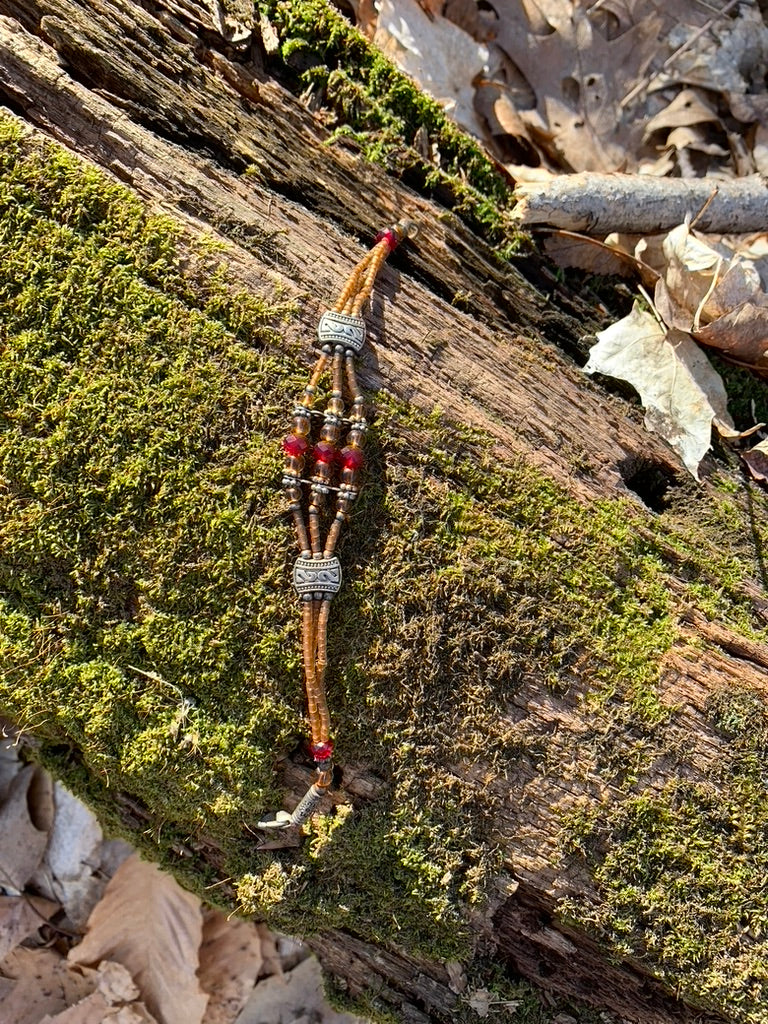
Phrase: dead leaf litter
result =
(151, 952)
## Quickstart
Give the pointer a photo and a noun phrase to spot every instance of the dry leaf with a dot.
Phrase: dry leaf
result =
(742, 334)
(431, 7)
(760, 149)
(681, 393)
(25, 819)
(757, 460)
(113, 1000)
(478, 22)
(94, 1009)
(716, 295)
(730, 57)
(72, 856)
(21, 916)
(646, 249)
(114, 982)
(750, 247)
(44, 984)
(296, 996)
(230, 962)
(585, 78)
(690, 274)
(680, 293)
(737, 282)
(694, 137)
(148, 923)
(443, 59)
(687, 108)
(457, 976)
(480, 1002)
(578, 77)
(571, 249)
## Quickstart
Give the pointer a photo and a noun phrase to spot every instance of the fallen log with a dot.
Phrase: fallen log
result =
(598, 204)
(550, 686)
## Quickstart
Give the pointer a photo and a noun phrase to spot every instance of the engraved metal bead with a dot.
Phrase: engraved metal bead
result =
(317, 575)
(341, 330)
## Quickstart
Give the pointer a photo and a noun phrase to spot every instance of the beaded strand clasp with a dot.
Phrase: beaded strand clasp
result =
(334, 470)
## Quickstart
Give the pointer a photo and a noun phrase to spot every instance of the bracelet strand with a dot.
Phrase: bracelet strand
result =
(334, 470)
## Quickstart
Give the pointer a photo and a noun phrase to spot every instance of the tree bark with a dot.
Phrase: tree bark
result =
(155, 94)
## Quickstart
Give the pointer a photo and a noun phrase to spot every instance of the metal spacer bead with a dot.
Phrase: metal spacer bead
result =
(317, 575)
(342, 330)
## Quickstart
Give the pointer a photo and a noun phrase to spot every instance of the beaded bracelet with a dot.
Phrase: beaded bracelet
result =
(317, 571)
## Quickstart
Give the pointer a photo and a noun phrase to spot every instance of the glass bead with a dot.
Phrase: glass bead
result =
(390, 237)
(330, 431)
(322, 751)
(295, 445)
(325, 452)
(352, 458)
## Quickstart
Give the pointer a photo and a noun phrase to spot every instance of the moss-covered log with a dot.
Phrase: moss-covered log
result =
(550, 667)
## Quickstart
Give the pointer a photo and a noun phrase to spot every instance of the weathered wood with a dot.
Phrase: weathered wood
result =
(151, 92)
(642, 204)
(481, 367)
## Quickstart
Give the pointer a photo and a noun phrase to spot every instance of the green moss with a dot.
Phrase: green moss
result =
(147, 631)
(747, 394)
(681, 879)
(367, 99)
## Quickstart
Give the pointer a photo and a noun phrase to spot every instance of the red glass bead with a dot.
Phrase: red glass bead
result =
(325, 452)
(390, 237)
(295, 445)
(352, 458)
(322, 751)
